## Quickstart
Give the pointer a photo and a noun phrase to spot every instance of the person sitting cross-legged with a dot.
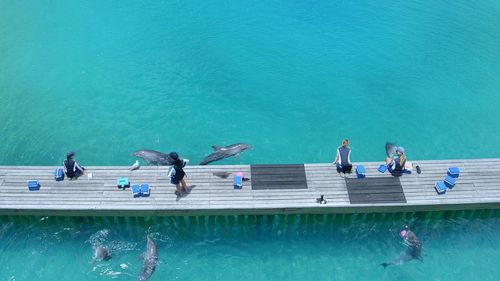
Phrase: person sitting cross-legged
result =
(343, 158)
(71, 168)
(396, 165)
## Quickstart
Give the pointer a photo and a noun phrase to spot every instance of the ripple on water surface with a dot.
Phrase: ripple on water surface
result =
(292, 247)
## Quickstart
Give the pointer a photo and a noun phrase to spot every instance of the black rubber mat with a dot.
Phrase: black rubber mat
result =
(375, 190)
(278, 177)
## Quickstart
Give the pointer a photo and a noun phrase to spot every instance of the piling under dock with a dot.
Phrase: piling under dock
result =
(478, 187)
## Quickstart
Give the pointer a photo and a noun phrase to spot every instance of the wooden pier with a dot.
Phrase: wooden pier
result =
(270, 191)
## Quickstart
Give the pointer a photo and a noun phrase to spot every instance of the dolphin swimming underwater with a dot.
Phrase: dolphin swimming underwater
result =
(101, 253)
(225, 152)
(413, 252)
(150, 260)
(154, 157)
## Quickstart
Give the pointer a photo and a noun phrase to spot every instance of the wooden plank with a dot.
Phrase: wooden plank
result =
(477, 187)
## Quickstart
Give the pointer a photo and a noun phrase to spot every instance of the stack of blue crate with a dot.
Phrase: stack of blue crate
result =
(360, 171)
(140, 190)
(449, 181)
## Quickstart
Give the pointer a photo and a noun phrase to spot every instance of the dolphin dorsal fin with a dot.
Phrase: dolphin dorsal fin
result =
(216, 147)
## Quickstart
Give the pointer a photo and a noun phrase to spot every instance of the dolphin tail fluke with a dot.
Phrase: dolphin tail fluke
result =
(390, 149)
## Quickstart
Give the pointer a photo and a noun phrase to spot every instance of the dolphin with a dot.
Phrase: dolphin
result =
(413, 252)
(150, 260)
(101, 253)
(154, 157)
(225, 152)
(390, 149)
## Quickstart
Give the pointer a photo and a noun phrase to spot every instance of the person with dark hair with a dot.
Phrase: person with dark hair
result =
(343, 158)
(176, 173)
(71, 168)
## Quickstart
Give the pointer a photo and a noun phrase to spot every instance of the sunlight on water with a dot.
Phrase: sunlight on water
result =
(290, 78)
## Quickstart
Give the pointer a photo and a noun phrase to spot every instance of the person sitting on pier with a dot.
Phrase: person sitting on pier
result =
(71, 168)
(176, 173)
(396, 165)
(343, 158)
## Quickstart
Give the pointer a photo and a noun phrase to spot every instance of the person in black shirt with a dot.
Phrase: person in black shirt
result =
(71, 168)
(176, 173)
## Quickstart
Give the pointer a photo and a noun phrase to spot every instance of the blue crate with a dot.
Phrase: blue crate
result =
(454, 172)
(145, 190)
(136, 190)
(382, 168)
(450, 181)
(440, 187)
(237, 182)
(33, 185)
(360, 171)
(59, 174)
(122, 182)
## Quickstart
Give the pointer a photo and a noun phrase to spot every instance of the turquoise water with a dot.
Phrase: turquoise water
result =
(290, 78)
(456, 246)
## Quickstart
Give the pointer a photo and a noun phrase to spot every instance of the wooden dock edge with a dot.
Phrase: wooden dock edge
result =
(321, 209)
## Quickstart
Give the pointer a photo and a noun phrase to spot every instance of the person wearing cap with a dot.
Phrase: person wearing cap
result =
(413, 250)
(396, 165)
(176, 173)
(414, 245)
(71, 168)
(343, 158)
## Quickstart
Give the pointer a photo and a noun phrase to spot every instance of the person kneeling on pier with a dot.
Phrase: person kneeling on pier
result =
(343, 158)
(71, 168)
(396, 165)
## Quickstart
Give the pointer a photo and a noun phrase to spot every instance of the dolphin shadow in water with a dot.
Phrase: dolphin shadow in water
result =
(222, 175)
(413, 251)
(225, 152)
(154, 157)
(150, 260)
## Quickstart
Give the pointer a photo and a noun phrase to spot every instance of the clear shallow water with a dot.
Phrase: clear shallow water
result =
(290, 78)
(456, 246)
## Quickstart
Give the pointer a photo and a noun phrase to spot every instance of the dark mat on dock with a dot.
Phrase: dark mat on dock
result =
(278, 177)
(375, 190)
